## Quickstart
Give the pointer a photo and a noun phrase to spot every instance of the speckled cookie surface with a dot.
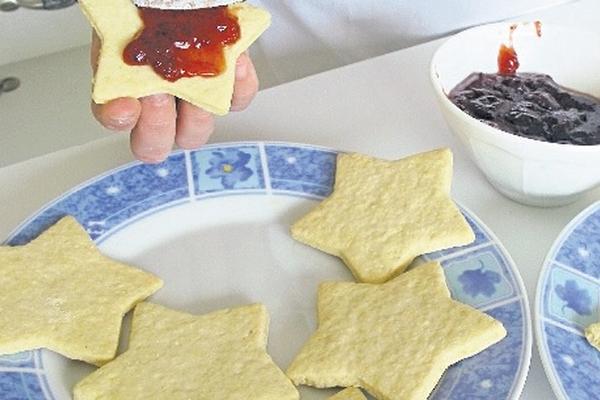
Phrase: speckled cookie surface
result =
(59, 292)
(117, 22)
(178, 356)
(395, 340)
(592, 334)
(383, 214)
(349, 394)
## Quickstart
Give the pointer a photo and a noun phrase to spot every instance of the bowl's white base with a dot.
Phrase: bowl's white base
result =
(534, 200)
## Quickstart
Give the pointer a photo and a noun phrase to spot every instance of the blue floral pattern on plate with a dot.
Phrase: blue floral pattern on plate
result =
(576, 299)
(567, 301)
(480, 274)
(480, 277)
(229, 167)
(479, 281)
(226, 168)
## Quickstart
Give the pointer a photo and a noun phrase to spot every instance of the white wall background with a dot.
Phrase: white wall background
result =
(50, 111)
(30, 33)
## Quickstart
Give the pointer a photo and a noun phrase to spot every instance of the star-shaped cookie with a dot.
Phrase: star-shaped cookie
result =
(59, 292)
(383, 214)
(395, 340)
(349, 394)
(592, 334)
(117, 22)
(178, 356)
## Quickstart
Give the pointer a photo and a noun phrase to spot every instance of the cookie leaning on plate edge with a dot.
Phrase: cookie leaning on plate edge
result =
(592, 334)
(349, 394)
(73, 299)
(59, 292)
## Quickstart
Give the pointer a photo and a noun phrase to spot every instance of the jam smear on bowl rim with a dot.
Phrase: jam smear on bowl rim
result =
(184, 43)
(508, 62)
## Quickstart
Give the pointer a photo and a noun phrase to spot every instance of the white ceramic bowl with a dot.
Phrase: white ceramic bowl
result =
(528, 171)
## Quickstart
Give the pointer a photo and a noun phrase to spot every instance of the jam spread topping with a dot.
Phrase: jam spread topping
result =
(530, 105)
(183, 43)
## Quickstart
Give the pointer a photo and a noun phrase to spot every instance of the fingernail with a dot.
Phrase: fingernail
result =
(151, 155)
(121, 122)
(158, 99)
(241, 68)
(241, 103)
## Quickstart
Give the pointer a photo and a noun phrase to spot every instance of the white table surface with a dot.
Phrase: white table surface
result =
(384, 107)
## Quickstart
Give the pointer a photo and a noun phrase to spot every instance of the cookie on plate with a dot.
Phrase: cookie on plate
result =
(383, 214)
(118, 23)
(178, 356)
(349, 394)
(395, 340)
(592, 334)
(59, 292)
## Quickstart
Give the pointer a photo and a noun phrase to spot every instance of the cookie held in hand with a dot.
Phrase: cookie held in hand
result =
(119, 22)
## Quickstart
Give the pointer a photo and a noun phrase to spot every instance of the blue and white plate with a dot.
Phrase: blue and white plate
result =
(214, 225)
(567, 301)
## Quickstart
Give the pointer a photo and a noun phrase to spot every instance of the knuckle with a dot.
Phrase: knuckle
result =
(157, 126)
(200, 118)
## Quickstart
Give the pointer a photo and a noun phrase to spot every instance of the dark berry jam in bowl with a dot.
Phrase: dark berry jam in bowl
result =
(530, 140)
(530, 105)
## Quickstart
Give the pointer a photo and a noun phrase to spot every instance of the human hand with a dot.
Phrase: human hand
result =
(158, 121)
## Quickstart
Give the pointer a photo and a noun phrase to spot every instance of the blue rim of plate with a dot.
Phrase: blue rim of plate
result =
(481, 274)
(567, 300)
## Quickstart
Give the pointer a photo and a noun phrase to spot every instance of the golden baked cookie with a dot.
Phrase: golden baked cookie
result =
(178, 356)
(395, 340)
(349, 394)
(383, 214)
(592, 334)
(59, 292)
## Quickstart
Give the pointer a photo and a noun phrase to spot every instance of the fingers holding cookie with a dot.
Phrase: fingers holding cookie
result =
(194, 126)
(246, 83)
(153, 136)
(119, 114)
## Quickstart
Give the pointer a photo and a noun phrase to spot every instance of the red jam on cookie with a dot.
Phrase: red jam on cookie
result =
(183, 43)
